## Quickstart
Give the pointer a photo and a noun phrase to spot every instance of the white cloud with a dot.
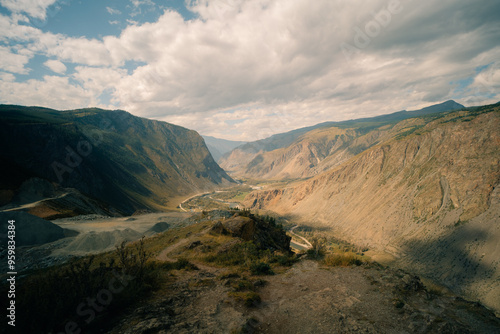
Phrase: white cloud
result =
(96, 80)
(12, 31)
(29, 40)
(56, 66)
(113, 11)
(114, 22)
(485, 87)
(34, 8)
(138, 3)
(13, 62)
(52, 91)
(76, 50)
(8, 77)
(267, 53)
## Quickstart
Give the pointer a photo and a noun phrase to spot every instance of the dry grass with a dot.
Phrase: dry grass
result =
(249, 298)
(342, 259)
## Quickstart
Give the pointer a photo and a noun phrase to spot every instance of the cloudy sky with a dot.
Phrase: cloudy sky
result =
(246, 69)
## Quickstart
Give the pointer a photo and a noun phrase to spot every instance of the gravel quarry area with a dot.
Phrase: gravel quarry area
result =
(99, 233)
(91, 234)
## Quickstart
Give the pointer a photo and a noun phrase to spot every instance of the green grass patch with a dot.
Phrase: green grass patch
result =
(237, 254)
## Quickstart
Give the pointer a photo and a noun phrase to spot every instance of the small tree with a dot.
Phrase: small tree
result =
(142, 255)
(125, 256)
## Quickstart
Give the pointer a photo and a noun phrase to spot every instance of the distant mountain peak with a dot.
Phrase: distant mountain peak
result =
(440, 107)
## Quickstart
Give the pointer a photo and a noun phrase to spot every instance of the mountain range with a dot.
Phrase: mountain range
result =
(308, 151)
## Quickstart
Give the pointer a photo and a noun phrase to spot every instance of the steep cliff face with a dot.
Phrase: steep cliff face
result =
(429, 196)
(126, 161)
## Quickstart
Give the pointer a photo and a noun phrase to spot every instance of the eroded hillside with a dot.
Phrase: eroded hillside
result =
(307, 152)
(429, 195)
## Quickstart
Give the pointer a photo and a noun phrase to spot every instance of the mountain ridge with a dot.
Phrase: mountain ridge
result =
(313, 150)
(126, 161)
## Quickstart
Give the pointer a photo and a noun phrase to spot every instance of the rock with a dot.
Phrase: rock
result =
(218, 228)
(241, 227)
(412, 283)
(194, 244)
(266, 235)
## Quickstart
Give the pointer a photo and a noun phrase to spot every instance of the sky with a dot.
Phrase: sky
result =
(247, 69)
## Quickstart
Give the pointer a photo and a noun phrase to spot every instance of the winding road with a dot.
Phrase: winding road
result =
(187, 199)
(307, 244)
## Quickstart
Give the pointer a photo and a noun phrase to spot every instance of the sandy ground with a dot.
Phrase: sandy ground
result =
(140, 223)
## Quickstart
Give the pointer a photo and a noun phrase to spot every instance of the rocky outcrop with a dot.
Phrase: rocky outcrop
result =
(265, 234)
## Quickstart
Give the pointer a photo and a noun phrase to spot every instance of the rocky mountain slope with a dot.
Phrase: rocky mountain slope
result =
(427, 191)
(126, 162)
(309, 151)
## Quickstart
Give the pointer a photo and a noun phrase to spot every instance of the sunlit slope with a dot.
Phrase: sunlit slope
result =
(309, 151)
(429, 194)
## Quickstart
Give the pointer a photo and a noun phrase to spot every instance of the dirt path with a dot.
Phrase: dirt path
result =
(164, 254)
(34, 204)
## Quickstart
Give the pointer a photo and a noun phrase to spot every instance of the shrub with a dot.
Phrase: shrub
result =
(242, 285)
(398, 303)
(179, 264)
(229, 275)
(318, 249)
(237, 254)
(261, 268)
(342, 260)
(284, 260)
